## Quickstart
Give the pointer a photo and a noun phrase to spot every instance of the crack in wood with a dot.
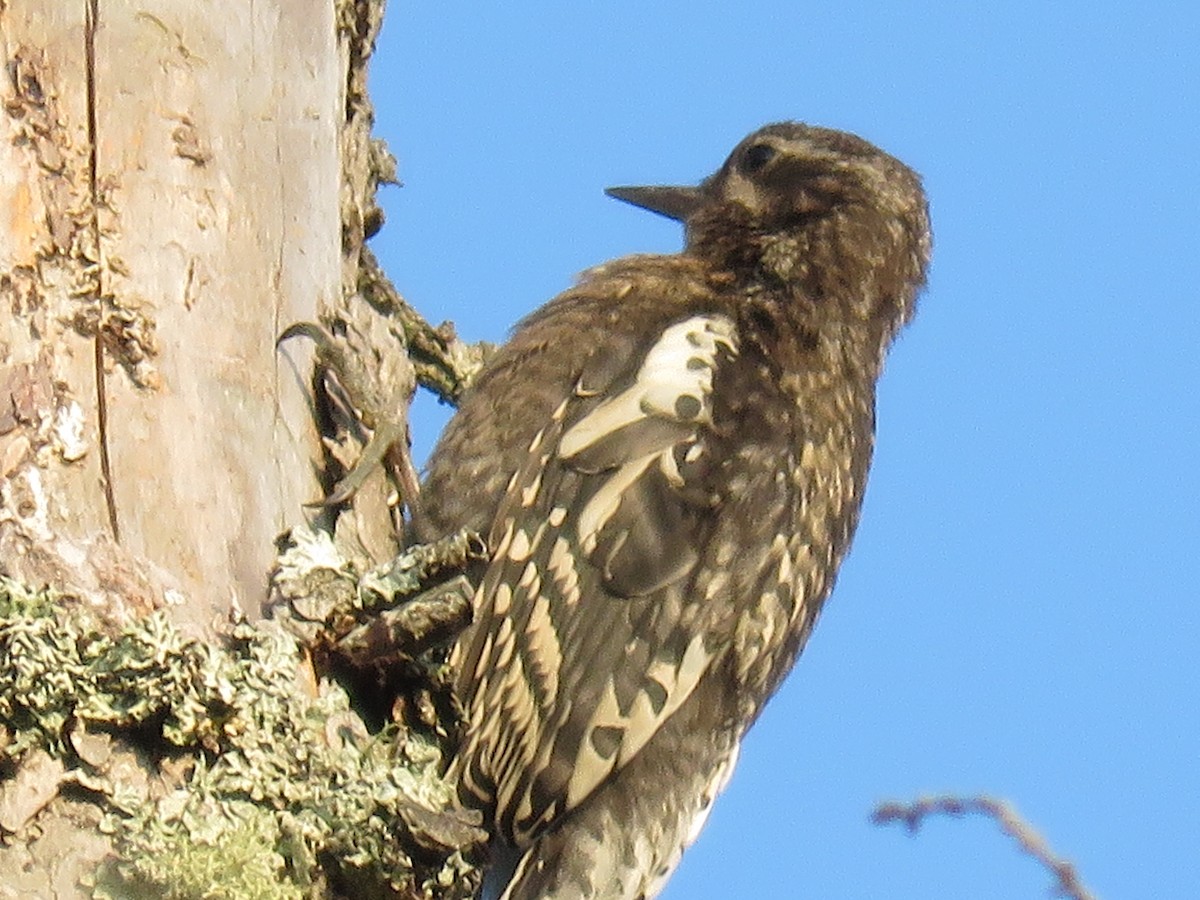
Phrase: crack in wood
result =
(91, 22)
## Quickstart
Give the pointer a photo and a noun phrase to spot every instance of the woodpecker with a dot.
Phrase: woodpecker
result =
(668, 460)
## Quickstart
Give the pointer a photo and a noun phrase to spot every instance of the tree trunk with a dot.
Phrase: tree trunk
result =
(172, 180)
(173, 189)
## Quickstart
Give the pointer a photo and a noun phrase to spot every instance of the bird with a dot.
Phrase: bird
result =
(668, 461)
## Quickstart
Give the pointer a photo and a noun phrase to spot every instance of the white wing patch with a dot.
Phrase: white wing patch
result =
(673, 387)
(674, 382)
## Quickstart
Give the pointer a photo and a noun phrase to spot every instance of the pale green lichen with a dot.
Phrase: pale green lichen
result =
(59, 669)
(236, 863)
(18, 600)
(286, 795)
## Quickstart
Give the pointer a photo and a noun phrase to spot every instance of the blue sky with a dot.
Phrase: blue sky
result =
(1019, 613)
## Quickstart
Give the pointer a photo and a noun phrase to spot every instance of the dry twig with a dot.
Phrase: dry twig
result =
(913, 816)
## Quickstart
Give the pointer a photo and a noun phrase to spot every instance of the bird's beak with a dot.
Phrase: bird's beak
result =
(676, 203)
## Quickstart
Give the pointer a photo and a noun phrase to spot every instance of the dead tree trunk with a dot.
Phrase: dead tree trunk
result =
(174, 188)
(171, 181)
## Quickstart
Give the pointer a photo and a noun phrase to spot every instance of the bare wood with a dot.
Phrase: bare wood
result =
(218, 175)
(173, 180)
(172, 197)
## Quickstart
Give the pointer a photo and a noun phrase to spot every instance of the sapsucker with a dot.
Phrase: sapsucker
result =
(669, 460)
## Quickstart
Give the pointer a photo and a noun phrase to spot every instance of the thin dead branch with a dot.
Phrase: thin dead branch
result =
(913, 816)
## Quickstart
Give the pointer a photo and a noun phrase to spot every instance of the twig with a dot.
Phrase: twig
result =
(444, 363)
(913, 815)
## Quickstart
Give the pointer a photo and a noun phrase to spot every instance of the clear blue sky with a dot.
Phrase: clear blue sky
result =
(1020, 614)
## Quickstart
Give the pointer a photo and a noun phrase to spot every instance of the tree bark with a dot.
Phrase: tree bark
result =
(172, 179)
(173, 188)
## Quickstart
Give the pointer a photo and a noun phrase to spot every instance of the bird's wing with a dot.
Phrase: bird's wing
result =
(586, 640)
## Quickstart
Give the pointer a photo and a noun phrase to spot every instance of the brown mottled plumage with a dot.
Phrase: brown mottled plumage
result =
(669, 459)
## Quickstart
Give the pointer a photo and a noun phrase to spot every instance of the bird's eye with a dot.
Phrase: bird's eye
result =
(756, 157)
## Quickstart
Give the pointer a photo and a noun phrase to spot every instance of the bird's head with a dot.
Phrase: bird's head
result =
(795, 203)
